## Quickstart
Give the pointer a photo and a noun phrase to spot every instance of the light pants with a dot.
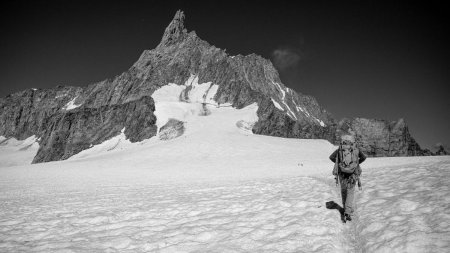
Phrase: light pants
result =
(347, 193)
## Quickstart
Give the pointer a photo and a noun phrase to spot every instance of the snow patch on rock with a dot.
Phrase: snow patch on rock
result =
(168, 104)
(71, 105)
(61, 95)
(200, 93)
(283, 93)
(277, 105)
(289, 111)
(321, 122)
(301, 109)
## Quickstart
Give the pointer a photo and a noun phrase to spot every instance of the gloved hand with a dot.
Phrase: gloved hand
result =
(352, 179)
(359, 184)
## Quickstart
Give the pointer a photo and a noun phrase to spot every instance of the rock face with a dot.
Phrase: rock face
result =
(22, 114)
(175, 32)
(64, 132)
(274, 122)
(441, 150)
(172, 129)
(70, 119)
(380, 137)
(76, 130)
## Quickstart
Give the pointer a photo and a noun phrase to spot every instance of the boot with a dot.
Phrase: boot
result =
(348, 217)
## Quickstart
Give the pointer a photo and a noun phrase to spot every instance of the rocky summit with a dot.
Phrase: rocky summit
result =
(67, 120)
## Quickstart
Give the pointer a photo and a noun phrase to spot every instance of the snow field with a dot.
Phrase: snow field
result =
(199, 93)
(406, 209)
(14, 152)
(263, 215)
(59, 209)
(168, 104)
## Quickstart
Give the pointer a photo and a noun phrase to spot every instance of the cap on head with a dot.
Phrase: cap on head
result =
(347, 139)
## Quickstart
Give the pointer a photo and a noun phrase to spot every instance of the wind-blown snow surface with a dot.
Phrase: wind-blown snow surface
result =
(219, 188)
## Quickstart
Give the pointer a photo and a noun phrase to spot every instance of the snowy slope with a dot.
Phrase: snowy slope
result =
(218, 188)
(14, 152)
(222, 142)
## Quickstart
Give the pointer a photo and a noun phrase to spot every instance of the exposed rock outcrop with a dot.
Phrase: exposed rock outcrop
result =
(175, 32)
(22, 114)
(441, 150)
(172, 129)
(274, 122)
(68, 133)
(380, 137)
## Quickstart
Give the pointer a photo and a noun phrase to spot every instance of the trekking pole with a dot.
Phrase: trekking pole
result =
(336, 169)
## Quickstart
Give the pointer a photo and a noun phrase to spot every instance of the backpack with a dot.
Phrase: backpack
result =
(348, 158)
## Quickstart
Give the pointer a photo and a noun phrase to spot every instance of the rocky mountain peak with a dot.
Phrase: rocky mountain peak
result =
(68, 120)
(175, 31)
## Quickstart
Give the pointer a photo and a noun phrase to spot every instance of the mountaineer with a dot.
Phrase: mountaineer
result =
(347, 171)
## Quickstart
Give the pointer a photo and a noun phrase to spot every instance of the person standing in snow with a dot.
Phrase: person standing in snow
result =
(347, 159)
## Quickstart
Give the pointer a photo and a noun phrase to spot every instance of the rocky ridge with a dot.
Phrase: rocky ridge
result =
(380, 137)
(101, 110)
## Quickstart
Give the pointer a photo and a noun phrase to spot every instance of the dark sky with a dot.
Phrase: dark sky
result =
(373, 59)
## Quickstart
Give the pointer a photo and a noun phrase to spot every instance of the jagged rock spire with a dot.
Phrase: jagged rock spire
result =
(175, 31)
